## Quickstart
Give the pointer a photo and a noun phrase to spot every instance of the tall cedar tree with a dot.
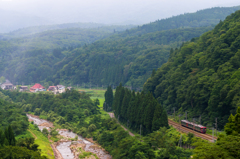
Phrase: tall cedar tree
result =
(149, 112)
(139, 109)
(125, 104)
(108, 99)
(159, 118)
(8, 137)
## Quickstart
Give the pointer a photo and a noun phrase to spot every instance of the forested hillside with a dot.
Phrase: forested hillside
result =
(12, 114)
(202, 77)
(129, 60)
(206, 17)
(63, 27)
(129, 57)
(26, 59)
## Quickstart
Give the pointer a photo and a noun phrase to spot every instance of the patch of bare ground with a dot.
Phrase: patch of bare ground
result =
(75, 149)
(57, 154)
(46, 125)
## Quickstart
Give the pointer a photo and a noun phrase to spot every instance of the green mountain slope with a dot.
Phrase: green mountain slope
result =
(202, 77)
(126, 57)
(129, 60)
(25, 59)
(202, 18)
(43, 28)
(130, 56)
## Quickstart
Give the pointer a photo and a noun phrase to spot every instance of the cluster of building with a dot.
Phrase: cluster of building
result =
(36, 88)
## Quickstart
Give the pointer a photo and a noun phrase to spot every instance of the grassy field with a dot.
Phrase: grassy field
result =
(42, 141)
(24, 135)
(95, 94)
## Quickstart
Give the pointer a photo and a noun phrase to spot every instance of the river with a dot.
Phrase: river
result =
(64, 146)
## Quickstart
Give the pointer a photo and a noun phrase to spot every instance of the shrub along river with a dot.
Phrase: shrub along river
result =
(66, 148)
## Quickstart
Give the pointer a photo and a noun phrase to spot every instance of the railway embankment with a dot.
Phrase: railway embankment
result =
(187, 130)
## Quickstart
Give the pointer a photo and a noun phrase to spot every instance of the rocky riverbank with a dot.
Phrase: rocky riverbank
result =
(65, 148)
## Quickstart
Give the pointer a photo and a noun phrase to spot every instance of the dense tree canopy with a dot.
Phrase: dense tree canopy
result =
(12, 114)
(126, 57)
(31, 58)
(139, 110)
(129, 60)
(225, 146)
(202, 76)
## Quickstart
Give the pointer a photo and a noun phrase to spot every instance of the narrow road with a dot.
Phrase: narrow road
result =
(187, 130)
(113, 116)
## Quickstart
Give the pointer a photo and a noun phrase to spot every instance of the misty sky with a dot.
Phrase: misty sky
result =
(109, 11)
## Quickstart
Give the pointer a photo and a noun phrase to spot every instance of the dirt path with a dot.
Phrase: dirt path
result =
(33, 134)
(112, 116)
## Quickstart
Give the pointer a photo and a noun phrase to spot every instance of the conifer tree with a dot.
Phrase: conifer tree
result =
(160, 118)
(119, 99)
(11, 140)
(131, 107)
(149, 112)
(2, 137)
(140, 108)
(125, 103)
(164, 119)
(157, 120)
(6, 134)
(108, 99)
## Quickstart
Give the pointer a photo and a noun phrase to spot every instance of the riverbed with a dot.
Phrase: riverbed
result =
(64, 146)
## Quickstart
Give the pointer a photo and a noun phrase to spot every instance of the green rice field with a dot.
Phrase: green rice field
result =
(95, 94)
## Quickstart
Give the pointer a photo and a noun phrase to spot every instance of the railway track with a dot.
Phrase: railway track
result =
(187, 130)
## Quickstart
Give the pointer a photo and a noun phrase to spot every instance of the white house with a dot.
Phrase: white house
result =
(8, 85)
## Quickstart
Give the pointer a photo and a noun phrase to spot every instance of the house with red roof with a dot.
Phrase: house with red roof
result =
(52, 88)
(37, 87)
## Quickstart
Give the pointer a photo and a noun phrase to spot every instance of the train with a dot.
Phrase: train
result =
(196, 127)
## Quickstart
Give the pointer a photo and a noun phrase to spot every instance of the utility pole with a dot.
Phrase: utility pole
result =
(193, 120)
(180, 141)
(90, 86)
(216, 126)
(174, 112)
(213, 134)
(200, 120)
(140, 130)
(179, 121)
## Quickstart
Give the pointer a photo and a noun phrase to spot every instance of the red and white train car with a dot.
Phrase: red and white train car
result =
(196, 127)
